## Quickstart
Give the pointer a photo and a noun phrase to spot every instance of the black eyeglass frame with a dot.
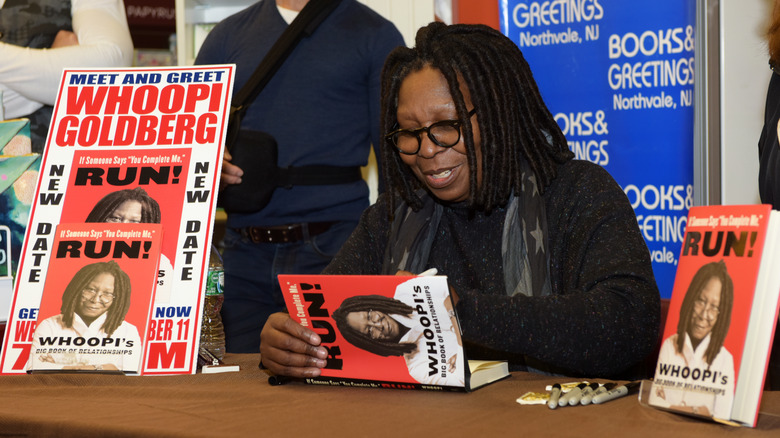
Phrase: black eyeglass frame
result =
(391, 137)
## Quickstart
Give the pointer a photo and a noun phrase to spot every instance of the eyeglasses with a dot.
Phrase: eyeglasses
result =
(445, 133)
(369, 328)
(90, 294)
(702, 306)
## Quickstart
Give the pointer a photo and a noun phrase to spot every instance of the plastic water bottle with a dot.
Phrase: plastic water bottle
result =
(212, 332)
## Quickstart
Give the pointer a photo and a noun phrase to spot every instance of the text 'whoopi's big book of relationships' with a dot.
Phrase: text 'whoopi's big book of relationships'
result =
(396, 332)
(133, 145)
(722, 315)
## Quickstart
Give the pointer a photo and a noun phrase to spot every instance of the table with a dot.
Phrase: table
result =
(244, 404)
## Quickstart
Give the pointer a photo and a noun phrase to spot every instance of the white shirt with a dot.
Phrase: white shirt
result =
(715, 393)
(29, 78)
(124, 351)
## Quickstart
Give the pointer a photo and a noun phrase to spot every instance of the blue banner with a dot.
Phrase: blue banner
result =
(619, 76)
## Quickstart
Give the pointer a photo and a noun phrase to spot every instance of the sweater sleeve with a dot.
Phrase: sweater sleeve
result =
(104, 41)
(603, 314)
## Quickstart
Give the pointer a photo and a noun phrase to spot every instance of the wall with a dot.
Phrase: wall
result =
(744, 79)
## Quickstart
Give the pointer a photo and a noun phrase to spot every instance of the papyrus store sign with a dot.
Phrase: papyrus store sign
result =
(618, 76)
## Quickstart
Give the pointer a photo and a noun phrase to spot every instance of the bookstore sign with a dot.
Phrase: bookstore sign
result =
(619, 76)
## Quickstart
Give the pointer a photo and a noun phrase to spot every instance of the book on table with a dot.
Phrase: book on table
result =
(386, 332)
(97, 298)
(722, 315)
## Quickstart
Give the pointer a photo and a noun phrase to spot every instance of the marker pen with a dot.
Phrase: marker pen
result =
(564, 400)
(587, 393)
(555, 393)
(620, 391)
(600, 390)
(576, 394)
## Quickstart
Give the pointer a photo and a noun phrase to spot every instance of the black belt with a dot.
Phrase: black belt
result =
(283, 233)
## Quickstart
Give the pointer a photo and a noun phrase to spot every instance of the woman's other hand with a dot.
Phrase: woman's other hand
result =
(289, 349)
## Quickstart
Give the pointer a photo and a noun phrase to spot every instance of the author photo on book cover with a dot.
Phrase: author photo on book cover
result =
(695, 370)
(481, 185)
(135, 206)
(90, 333)
(390, 327)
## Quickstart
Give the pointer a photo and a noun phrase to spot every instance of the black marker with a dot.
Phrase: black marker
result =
(274, 380)
(620, 391)
(278, 380)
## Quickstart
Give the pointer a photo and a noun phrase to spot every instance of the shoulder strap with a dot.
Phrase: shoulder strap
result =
(304, 23)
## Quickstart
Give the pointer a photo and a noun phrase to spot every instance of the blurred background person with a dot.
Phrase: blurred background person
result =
(38, 38)
(322, 108)
(769, 159)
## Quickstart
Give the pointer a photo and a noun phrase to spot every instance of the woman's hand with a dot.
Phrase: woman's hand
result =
(289, 349)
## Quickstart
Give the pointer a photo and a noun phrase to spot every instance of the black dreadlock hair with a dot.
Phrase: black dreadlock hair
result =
(514, 122)
(364, 303)
(150, 209)
(721, 327)
(119, 306)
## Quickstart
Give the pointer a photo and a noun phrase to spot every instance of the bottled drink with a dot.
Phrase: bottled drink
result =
(212, 332)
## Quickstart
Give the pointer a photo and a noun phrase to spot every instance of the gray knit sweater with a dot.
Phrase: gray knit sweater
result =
(602, 317)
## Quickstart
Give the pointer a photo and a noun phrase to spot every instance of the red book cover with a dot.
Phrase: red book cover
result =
(381, 331)
(719, 290)
(97, 298)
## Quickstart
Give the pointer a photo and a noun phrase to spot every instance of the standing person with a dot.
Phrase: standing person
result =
(322, 107)
(769, 159)
(542, 251)
(705, 317)
(38, 38)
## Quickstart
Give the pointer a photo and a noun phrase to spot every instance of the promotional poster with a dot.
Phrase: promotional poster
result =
(141, 145)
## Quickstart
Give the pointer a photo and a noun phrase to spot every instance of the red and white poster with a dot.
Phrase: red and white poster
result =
(140, 146)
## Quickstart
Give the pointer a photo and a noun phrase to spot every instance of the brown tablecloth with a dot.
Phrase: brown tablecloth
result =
(244, 404)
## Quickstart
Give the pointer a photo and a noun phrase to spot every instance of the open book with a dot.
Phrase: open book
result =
(386, 332)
